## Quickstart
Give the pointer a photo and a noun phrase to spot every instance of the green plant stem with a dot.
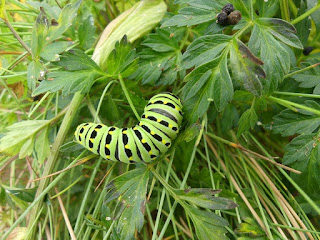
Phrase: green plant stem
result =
(101, 99)
(125, 91)
(293, 228)
(289, 103)
(67, 188)
(298, 94)
(306, 14)
(85, 198)
(285, 10)
(303, 194)
(16, 35)
(163, 194)
(36, 201)
(38, 104)
(53, 157)
(300, 70)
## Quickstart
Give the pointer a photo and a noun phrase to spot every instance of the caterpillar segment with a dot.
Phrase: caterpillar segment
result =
(152, 136)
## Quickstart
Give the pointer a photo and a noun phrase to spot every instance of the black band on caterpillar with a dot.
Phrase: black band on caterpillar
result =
(152, 136)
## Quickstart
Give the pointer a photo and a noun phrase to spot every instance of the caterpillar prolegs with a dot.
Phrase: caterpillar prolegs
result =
(152, 136)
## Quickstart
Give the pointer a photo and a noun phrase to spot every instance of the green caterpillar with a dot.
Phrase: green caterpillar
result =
(152, 136)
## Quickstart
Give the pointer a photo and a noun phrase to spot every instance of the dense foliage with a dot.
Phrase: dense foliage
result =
(246, 162)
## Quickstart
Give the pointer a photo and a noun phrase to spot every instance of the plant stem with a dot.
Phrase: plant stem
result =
(36, 201)
(125, 91)
(163, 194)
(286, 103)
(306, 14)
(300, 70)
(285, 10)
(53, 157)
(101, 98)
(85, 198)
(298, 94)
(18, 37)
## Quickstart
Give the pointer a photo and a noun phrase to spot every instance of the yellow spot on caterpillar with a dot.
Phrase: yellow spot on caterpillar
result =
(140, 124)
(152, 133)
(163, 141)
(110, 132)
(91, 140)
(158, 120)
(108, 156)
(143, 140)
(152, 102)
(177, 108)
(80, 134)
(150, 152)
(170, 126)
(124, 132)
(131, 158)
(165, 102)
(107, 145)
(97, 129)
(127, 146)
(146, 116)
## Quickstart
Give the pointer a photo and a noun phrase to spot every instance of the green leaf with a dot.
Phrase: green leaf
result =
(26, 195)
(246, 68)
(78, 75)
(274, 55)
(39, 34)
(33, 74)
(299, 149)
(208, 225)
(122, 60)
(66, 17)
(18, 134)
(309, 78)
(204, 49)
(51, 51)
(42, 146)
(208, 82)
(280, 29)
(26, 148)
(204, 197)
(160, 60)
(86, 33)
(130, 189)
(309, 178)
(250, 226)
(247, 120)
(195, 13)
(288, 122)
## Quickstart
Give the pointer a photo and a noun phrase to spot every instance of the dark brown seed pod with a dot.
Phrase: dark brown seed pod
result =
(228, 8)
(234, 17)
(222, 19)
(307, 50)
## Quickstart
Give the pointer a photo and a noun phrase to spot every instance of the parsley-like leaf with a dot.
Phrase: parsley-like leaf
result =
(210, 80)
(130, 190)
(309, 78)
(77, 73)
(288, 122)
(160, 61)
(265, 44)
(122, 60)
(197, 11)
(246, 68)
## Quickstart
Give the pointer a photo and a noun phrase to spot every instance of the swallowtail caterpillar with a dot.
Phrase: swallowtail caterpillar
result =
(152, 136)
